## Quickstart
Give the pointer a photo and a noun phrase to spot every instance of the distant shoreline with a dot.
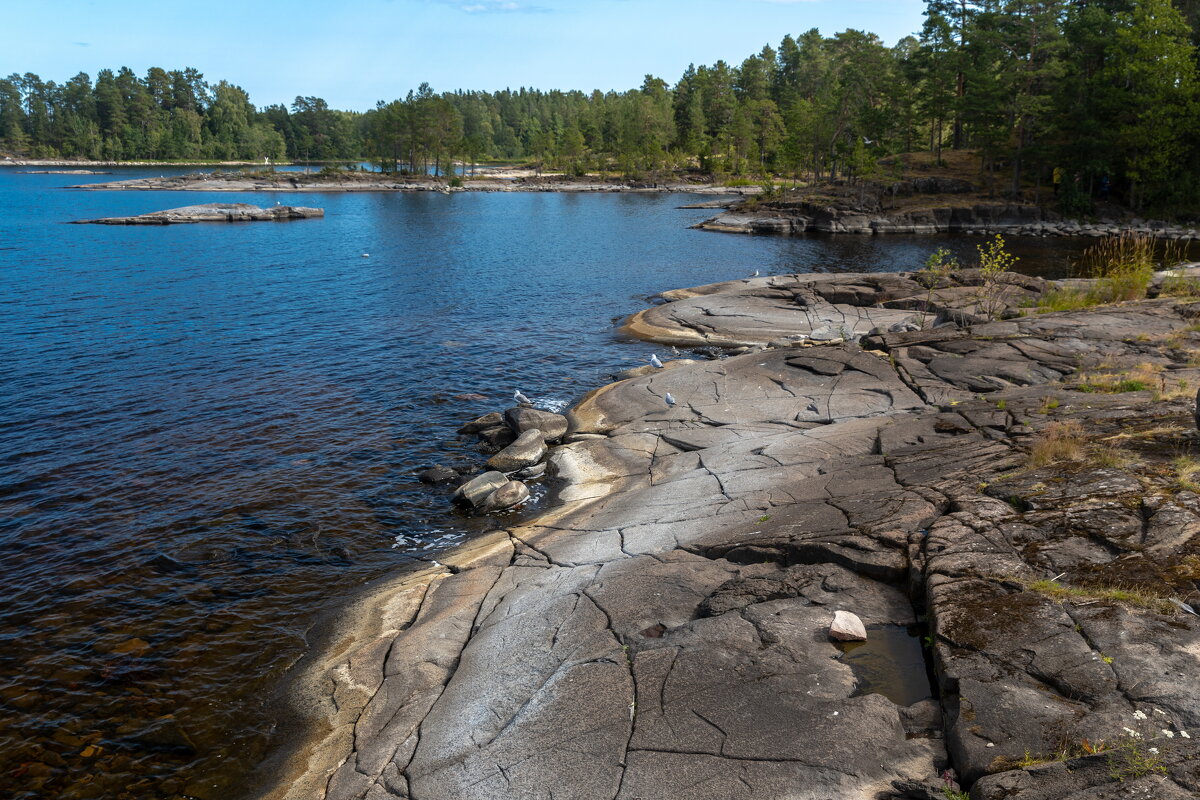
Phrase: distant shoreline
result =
(511, 181)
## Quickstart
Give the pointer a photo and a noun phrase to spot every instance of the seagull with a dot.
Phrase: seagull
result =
(674, 350)
(755, 275)
(670, 400)
(522, 399)
(868, 141)
(654, 362)
(366, 255)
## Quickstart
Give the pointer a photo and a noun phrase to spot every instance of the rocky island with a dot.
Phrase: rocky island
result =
(212, 212)
(489, 180)
(1013, 493)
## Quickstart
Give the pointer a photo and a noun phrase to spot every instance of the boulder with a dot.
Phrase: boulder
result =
(507, 496)
(521, 419)
(475, 491)
(847, 627)
(527, 450)
(482, 423)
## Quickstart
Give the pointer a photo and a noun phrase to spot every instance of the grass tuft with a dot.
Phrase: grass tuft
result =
(1111, 457)
(1132, 596)
(1186, 469)
(1061, 441)
(1066, 300)
(1123, 265)
(1179, 391)
(1139, 379)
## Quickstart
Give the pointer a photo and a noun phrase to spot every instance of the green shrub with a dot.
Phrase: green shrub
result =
(994, 261)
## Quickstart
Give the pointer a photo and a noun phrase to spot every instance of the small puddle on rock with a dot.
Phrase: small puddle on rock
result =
(889, 663)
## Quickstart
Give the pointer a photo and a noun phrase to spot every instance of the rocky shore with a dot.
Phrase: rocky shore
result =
(379, 182)
(978, 218)
(212, 212)
(1016, 494)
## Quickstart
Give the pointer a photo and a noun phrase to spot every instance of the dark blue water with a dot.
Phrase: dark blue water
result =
(210, 433)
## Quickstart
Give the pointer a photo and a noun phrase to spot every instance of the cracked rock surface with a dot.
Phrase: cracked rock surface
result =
(663, 633)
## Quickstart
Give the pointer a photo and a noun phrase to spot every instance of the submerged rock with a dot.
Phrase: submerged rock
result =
(847, 627)
(438, 474)
(527, 450)
(212, 212)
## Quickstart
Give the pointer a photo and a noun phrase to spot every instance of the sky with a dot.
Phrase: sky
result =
(356, 52)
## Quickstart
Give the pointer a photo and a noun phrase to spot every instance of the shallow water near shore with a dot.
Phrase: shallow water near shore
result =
(209, 434)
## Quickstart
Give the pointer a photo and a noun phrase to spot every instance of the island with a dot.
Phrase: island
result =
(489, 180)
(212, 212)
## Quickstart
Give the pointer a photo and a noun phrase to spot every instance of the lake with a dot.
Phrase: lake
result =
(209, 434)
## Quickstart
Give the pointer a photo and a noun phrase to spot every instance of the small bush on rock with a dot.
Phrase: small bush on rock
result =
(994, 261)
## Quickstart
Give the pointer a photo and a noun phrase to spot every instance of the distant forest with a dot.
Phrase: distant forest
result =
(1098, 89)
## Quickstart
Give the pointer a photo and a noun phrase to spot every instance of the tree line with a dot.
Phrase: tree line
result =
(1079, 94)
(165, 115)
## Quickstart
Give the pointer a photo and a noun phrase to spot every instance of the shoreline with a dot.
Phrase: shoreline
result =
(426, 664)
(375, 182)
(980, 218)
(977, 219)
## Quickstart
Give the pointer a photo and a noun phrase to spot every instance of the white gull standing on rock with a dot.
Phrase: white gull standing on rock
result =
(654, 362)
(522, 399)
(669, 399)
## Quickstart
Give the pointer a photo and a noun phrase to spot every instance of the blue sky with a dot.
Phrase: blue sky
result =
(355, 52)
